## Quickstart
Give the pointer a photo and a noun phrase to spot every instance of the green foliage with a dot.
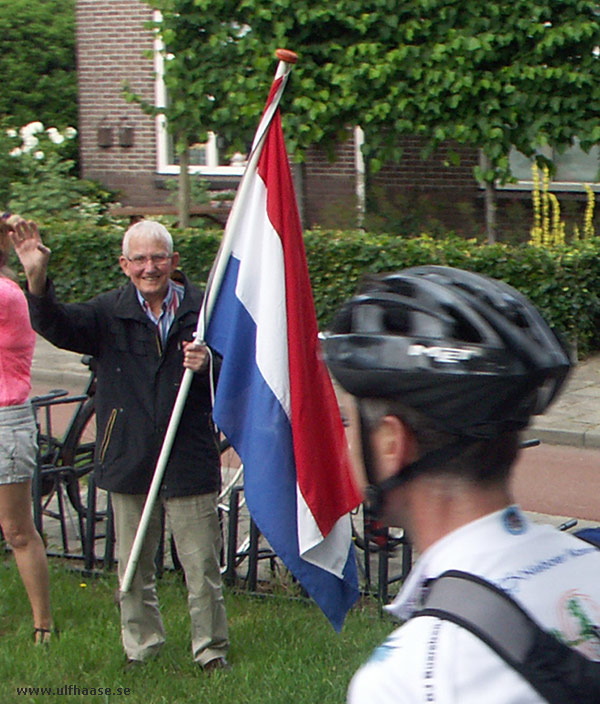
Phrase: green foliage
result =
(199, 194)
(40, 180)
(492, 75)
(564, 282)
(37, 62)
(84, 261)
(9, 168)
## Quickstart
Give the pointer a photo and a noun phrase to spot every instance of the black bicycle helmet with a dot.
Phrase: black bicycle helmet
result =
(470, 353)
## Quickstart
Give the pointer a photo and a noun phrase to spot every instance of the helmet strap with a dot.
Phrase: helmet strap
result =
(432, 459)
(375, 491)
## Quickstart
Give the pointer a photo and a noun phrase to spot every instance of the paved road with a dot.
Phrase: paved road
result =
(559, 480)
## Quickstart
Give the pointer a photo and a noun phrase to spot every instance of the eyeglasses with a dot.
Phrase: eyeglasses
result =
(140, 260)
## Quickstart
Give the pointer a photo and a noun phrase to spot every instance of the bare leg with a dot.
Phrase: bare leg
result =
(28, 548)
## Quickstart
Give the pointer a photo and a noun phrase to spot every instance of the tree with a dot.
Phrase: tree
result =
(37, 62)
(196, 70)
(492, 75)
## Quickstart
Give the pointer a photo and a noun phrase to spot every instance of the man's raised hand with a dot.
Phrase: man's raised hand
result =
(32, 252)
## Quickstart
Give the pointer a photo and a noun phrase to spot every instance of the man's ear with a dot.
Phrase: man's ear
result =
(124, 264)
(394, 446)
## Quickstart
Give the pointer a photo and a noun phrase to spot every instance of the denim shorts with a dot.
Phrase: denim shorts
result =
(18, 444)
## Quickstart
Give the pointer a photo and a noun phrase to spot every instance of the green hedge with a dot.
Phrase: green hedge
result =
(564, 282)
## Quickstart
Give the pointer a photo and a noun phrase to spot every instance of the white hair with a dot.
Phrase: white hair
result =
(148, 229)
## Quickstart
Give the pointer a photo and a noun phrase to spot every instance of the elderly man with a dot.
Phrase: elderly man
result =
(142, 336)
(443, 368)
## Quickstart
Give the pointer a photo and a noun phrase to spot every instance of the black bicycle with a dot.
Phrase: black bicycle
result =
(61, 484)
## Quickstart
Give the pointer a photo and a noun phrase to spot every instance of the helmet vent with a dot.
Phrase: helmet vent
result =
(516, 316)
(463, 329)
(396, 321)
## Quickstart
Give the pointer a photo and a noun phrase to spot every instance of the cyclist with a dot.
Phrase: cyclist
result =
(443, 369)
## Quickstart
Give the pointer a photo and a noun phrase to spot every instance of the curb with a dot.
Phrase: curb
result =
(589, 439)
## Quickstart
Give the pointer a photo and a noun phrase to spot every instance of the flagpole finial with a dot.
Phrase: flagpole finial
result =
(290, 57)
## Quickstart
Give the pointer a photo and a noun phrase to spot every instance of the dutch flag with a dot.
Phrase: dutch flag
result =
(274, 399)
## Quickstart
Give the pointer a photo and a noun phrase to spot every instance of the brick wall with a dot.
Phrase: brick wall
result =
(430, 192)
(111, 41)
(434, 172)
(402, 197)
(330, 187)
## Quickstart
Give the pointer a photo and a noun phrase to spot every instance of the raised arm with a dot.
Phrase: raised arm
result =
(33, 254)
(73, 326)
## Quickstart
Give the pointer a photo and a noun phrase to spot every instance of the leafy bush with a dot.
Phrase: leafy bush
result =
(199, 194)
(8, 165)
(41, 181)
(38, 62)
(84, 260)
(563, 282)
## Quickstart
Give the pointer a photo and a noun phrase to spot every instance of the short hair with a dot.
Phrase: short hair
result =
(483, 462)
(149, 229)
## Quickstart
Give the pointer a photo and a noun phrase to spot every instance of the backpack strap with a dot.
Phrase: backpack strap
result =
(558, 673)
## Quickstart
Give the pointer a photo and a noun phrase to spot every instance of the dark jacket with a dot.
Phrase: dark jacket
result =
(136, 388)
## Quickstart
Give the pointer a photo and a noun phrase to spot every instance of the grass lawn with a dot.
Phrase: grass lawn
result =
(283, 650)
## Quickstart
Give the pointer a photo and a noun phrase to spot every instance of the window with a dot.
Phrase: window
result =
(574, 167)
(208, 158)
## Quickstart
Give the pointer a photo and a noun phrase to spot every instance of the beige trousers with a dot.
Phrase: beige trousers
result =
(195, 528)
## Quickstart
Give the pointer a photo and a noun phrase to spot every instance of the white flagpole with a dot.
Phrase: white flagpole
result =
(286, 60)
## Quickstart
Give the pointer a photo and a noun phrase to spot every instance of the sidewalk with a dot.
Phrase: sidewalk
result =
(572, 420)
(57, 368)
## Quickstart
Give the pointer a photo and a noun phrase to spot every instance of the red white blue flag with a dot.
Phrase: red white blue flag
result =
(274, 399)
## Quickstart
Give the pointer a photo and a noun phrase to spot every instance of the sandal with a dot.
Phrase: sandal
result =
(42, 636)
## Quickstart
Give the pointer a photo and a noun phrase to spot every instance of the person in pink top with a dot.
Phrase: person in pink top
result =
(18, 443)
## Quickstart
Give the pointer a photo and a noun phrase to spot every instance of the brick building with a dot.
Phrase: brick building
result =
(111, 41)
(130, 151)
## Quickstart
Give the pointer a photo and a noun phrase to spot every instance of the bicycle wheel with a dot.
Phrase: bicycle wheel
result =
(232, 472)
(78, 452)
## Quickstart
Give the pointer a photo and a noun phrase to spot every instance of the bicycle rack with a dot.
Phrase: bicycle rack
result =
(49, 469)
(385, 552)
(91, 520)
(57, 473)
(253, 552)
(384, 580)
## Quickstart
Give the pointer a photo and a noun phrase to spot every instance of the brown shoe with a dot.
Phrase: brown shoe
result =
(216, 664)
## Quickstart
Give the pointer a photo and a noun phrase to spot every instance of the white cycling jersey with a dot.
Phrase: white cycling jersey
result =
(554, 576)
